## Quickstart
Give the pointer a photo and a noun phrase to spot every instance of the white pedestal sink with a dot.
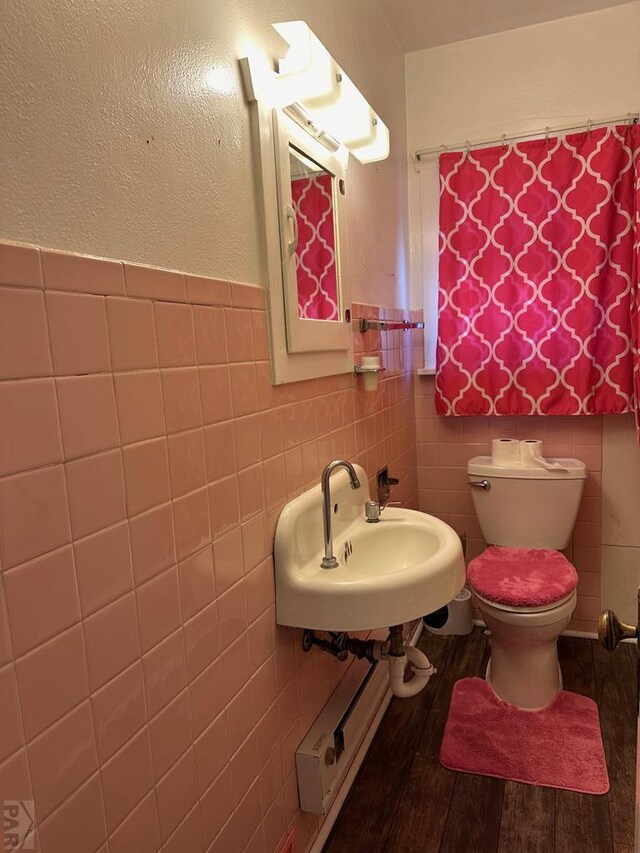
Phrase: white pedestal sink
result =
(404, 566)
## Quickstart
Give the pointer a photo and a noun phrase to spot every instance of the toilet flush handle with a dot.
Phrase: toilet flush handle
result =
(480, 484)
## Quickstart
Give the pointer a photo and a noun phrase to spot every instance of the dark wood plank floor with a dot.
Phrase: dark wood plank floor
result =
(403, 801)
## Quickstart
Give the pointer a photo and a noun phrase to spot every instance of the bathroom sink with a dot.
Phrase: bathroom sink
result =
(389, 572)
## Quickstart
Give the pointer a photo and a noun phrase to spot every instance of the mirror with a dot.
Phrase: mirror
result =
(301, 183)
(317, 267)
(310, 179)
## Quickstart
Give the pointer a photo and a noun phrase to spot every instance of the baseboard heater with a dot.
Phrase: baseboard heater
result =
(327, 751)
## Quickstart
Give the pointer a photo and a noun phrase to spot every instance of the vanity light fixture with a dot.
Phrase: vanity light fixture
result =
(308, 77)
(307, 69)
(302, 117)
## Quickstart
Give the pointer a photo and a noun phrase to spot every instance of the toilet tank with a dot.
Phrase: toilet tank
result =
(523, 507)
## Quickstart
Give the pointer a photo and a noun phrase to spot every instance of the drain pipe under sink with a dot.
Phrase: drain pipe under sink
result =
(398, 657)
(393, 650)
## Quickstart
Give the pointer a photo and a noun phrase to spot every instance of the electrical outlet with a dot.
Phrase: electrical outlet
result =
(289, 843)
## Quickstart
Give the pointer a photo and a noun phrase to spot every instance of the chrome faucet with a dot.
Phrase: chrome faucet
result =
(329, 561)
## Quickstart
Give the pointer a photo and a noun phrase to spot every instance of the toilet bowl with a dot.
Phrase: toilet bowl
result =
(524, 587)
(526, 597)
(523, 669)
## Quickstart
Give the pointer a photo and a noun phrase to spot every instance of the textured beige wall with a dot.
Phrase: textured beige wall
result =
(124, 132)
(582, 67)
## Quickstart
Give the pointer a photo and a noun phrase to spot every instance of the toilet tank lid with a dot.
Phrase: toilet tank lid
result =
(571, 469)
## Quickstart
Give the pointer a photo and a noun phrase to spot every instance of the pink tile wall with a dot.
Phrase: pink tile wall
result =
(445, 445)
(149, 701)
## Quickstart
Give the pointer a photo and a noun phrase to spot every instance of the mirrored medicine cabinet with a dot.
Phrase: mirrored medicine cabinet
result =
(310, 184)
(301, 186)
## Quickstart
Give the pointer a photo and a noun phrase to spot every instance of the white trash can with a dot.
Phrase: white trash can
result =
(456, 617)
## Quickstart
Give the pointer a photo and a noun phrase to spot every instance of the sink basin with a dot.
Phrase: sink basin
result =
(404, 566)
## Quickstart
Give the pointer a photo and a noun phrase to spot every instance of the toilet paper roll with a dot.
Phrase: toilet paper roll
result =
(505, 452)
(532, 456)
(531, 453)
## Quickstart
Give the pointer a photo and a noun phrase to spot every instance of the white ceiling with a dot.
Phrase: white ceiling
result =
(426, 23)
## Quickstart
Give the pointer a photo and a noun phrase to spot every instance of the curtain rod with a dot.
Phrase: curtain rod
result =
(420, 154)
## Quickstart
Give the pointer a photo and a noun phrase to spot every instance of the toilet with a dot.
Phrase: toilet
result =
(524, 587)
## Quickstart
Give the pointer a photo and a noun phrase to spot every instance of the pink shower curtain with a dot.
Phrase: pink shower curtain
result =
(635, 309)
(539, 308)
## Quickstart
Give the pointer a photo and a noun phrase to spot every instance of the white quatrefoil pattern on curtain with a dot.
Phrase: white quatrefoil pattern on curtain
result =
(538, 303)
(316, 250)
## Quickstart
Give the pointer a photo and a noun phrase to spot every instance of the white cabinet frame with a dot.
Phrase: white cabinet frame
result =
(333, 354)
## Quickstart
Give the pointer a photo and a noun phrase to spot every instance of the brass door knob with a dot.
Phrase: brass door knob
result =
(611, 630)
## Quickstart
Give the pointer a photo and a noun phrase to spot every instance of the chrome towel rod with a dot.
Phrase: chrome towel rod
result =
(386, 325)
(421, 154)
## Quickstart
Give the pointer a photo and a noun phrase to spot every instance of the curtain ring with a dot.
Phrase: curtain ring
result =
(467, 148)
(504, 141)
(547, 131)
(589, 123)
(632, 118)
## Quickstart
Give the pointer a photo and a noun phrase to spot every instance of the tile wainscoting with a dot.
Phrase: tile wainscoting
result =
(150, 701)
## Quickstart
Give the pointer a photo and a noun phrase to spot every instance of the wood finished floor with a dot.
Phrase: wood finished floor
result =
(403, 801)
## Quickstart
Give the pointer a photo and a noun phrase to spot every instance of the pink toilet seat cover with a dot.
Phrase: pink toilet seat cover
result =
(522, 577)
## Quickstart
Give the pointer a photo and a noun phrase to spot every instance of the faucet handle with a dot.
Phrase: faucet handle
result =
(372, 511)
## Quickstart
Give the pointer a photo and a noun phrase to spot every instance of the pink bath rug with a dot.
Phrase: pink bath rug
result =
(559, 747)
